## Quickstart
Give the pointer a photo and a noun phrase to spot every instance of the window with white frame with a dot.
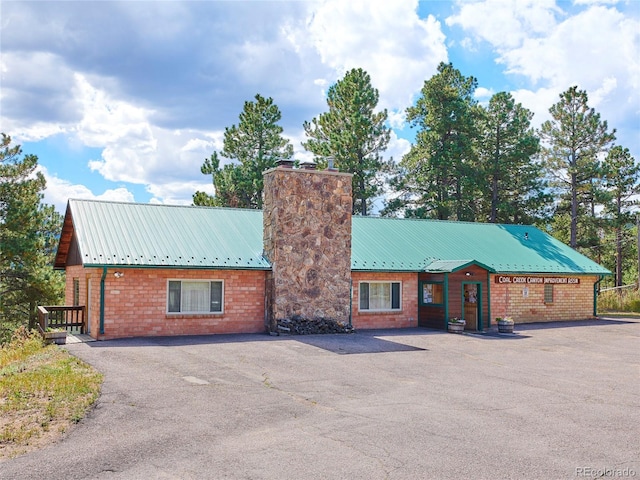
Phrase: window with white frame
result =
(195, 296)
(380, 296)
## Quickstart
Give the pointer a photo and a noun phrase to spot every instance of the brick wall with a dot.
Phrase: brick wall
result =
(570, 302)
(406, 317)
(136, 304)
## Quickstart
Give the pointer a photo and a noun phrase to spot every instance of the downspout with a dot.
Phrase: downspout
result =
(104, 275)
(595, 295)
(488, 299)
(350, 303)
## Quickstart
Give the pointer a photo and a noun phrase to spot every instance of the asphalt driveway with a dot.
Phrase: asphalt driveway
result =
(555, 401)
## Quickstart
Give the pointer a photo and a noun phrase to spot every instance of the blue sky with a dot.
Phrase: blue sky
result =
(124, 100)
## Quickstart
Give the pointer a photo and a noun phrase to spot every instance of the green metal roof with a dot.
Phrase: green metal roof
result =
(135, 234)
(148, 235)
(423, 245)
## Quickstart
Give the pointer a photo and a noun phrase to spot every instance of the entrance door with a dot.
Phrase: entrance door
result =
(471, 295)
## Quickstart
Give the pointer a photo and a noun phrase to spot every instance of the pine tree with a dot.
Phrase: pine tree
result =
(255, 144)
(572, 141)
(440, 176)
(28, 235)
(353, 135)
(621, 175)
(507, 150)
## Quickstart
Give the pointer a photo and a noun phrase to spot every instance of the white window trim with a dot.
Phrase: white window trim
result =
(369, 310)
(201, 280)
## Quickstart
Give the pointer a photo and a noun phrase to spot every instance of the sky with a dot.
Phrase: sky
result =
(124, 101)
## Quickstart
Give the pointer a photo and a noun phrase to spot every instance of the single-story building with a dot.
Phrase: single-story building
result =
(148, 269)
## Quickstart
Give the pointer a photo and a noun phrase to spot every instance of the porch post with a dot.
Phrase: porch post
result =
(446, 300)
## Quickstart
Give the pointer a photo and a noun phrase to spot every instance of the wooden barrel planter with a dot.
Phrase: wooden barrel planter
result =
(456, 326)
(505, 326)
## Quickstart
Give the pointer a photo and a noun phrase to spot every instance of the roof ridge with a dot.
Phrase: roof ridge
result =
(436, 220)
(147, 204)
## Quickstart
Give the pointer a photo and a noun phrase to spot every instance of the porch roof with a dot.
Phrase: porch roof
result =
(450, 266)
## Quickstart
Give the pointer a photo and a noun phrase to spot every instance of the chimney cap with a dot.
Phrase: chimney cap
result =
(308, 164)
(284, 163)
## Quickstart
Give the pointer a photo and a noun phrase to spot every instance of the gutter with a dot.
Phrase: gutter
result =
(351, 303)
(104, 275)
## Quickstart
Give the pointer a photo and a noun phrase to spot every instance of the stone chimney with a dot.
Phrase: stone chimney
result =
(307, 239)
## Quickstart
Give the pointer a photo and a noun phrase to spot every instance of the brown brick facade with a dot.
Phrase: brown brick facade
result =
(526, 302)
(406, 317)
(136, 304)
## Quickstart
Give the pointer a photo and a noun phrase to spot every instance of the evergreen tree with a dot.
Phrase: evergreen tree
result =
(440, 176)
(621, 177)
(28, 238)
(572, 140)
(507, 149)
(256, 144)
(353, 135)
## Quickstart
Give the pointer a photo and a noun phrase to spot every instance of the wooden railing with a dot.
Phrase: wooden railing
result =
(68, 318)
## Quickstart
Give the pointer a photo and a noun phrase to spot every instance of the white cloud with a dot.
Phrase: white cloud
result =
(595, 47)
(59, 191)
(397, 148)
(595, 2)
(34, 96)
(483, 93)
(136, 151)
(569, 54)
(179, 193)
(538, 101)
(388, 40)
(506, 23)
(397, 118)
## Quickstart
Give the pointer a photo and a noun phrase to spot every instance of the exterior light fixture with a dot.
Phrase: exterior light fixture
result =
(118, 274)
(468, 274)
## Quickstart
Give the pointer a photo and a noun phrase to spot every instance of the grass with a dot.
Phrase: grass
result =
(43, 391)
(627, 300)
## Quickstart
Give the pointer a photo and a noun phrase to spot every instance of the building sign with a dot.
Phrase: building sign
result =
(520, 279)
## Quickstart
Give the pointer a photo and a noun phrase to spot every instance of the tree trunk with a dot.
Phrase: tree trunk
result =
(574, 210)
(618, 257)
(494, 183)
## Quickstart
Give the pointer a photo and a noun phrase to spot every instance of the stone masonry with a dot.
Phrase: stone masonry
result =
(307, 239)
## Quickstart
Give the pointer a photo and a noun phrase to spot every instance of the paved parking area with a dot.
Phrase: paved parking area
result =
(554, 401)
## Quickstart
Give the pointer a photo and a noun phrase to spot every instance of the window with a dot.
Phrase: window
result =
(432, 293)
(548, 293)
(194, 296)
(76, 292)
(380, 296)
